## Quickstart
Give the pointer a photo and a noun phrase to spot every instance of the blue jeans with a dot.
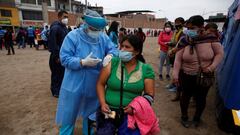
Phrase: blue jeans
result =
(21, 43)
(164, 57)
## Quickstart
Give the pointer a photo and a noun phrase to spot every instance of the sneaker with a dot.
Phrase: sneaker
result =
(55, 95)
(170, 86)
(174, 89)
(160, 77)
(185, 123)
(168, 77)
(195, 123)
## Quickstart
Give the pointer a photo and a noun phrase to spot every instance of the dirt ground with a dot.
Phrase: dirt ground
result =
(27, 107)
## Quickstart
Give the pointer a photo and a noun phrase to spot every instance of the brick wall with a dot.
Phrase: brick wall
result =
(125, 22)
(139, 22)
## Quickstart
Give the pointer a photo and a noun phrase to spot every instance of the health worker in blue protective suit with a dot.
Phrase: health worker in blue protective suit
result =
(83, 53)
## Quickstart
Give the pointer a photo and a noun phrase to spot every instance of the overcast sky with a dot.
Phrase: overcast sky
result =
(166, 8)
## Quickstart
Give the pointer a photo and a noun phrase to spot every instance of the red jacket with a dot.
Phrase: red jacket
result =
(163, 38)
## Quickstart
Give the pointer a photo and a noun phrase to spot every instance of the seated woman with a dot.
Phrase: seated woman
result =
(138, 78)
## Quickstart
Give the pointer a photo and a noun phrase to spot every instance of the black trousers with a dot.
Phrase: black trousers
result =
(57, 75)
(9, 45)
(189, 89)
(31, 41)
(1, 43)
(45, 44)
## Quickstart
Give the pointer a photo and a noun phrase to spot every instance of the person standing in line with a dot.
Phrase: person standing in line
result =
(141, 34)
(58, 31)
(69, 28)
(199, 56)
(164, 40)
(31, 36)
(83, 54)
(2, 32)
(113, 33)
(44, 36)
(21, 38)
(122, 33)
(178, 33)
(9, 41)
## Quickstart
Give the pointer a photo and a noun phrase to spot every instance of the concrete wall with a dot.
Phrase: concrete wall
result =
(139, 22)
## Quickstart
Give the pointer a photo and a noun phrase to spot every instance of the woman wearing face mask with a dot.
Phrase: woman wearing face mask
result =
(138, 78)
(113, 33)
(197, 56)
(163, 41)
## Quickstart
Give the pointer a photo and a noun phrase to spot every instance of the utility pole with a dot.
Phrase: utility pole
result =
(86, 4)
(70, 6)
(45, 11)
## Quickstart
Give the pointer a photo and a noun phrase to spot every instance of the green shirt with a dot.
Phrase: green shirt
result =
(133, 84)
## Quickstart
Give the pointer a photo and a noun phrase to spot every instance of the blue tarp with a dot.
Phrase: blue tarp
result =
(228, 76)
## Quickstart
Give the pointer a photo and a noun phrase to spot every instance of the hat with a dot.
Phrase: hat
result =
(94, 19)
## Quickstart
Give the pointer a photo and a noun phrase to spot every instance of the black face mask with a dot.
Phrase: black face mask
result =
(178, 27)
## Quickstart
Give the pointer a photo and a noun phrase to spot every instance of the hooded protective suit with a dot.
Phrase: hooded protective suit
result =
(78, 91)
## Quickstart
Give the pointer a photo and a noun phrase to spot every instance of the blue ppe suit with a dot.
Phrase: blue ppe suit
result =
(78, 91)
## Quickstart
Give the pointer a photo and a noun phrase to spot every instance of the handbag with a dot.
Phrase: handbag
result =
(204, 79)
(119, 117)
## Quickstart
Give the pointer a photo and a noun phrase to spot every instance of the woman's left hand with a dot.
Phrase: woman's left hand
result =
(128, 110)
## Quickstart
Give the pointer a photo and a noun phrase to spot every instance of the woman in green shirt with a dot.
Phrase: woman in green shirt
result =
(138, 78)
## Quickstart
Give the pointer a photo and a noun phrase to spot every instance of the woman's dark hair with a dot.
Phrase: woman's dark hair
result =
(140, 30)
(113, 27)
(180, 19)
(196, 20)
(211, 25)
(123, 30)
(137, 44)
(168, 23)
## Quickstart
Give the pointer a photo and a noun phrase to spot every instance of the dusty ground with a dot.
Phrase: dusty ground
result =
(27, 107)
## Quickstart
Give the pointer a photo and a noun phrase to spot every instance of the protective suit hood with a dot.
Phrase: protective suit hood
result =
(95, 20)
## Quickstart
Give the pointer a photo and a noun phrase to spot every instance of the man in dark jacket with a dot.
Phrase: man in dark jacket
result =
(58, 31)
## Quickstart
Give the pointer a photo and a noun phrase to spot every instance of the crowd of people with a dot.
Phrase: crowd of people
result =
(195, 50)
(122, 75)
(122, 84)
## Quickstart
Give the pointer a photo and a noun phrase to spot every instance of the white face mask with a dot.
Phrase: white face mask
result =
(65, 21)
(93, 34)
(167, 29)
(184, 28)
